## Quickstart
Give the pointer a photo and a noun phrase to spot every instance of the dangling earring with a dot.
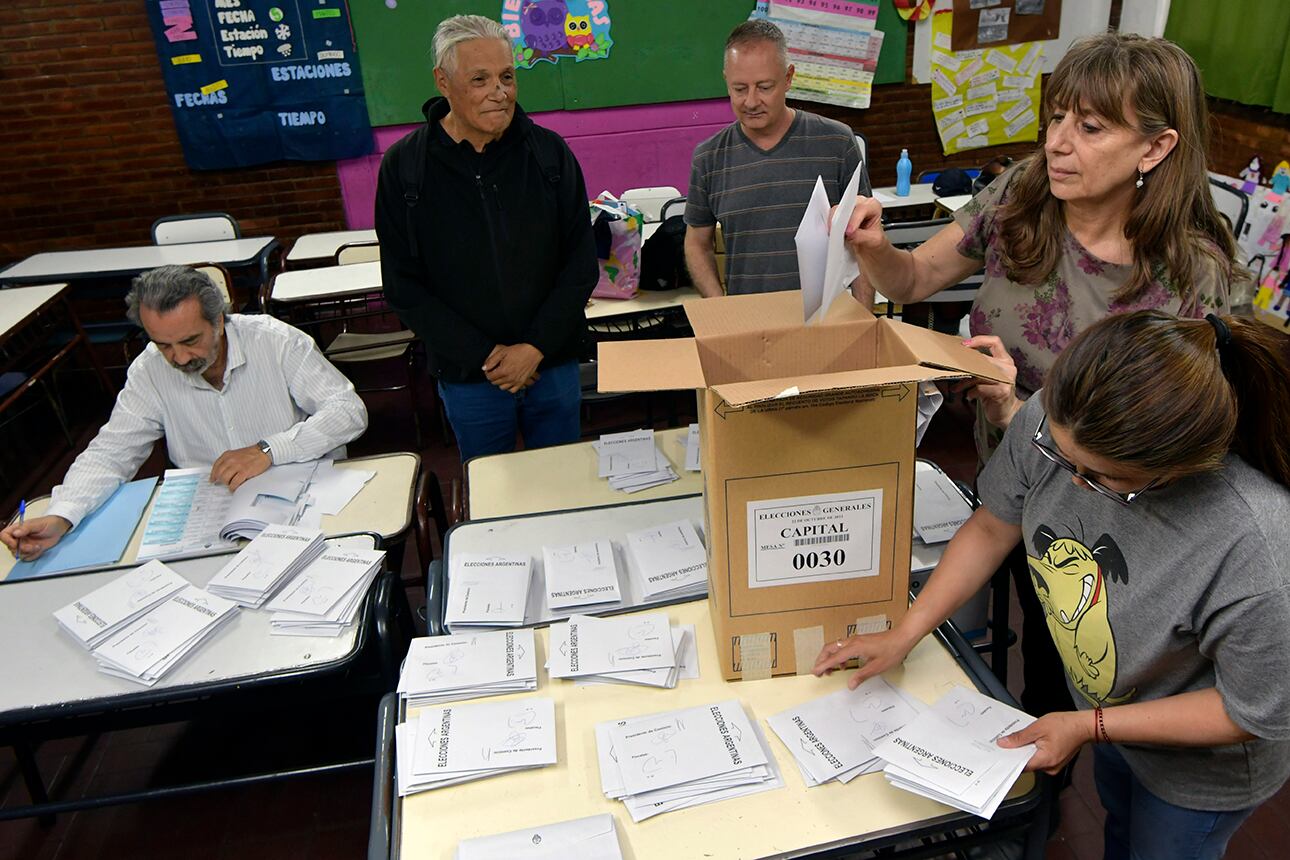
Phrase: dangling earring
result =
(1138, 184)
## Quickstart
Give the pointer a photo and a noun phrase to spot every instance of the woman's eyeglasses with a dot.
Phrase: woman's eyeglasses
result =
(1053, 456)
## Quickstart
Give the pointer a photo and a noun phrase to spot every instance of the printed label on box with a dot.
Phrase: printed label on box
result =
(814, 538)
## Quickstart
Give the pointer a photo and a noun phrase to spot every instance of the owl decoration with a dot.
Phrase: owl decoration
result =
(543, 25)
(577, 31)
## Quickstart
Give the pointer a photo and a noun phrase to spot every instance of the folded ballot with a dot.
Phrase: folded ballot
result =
(949, 752)
(691, 446)
(676, 759)
(632, 461)
(467, 665)
(832, 737)
(669, 560)
(156, 642)
(325, 598)
(107, 609)
(686, 668)
(583, 574)
(487, 590)
(623, 646)
(444, 746)
(590, 838)
(275, 555)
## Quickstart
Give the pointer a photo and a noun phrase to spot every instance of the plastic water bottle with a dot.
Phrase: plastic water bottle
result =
(903, 170)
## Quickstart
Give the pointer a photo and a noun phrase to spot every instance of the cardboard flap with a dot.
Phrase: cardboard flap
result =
(648, 365)
(758, 312)
(846, 309)
(945, 351)
(745, 393)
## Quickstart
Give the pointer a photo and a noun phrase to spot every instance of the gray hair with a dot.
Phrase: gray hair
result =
(451, 32)
(163, 288)
(759, 30)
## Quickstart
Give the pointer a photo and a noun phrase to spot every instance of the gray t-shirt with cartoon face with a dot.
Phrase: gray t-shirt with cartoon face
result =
(1185, 589)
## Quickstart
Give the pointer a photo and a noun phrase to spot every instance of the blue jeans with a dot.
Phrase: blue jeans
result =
(1141, 826)
(485, 418)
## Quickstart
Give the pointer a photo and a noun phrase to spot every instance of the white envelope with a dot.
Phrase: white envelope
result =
(591, 838)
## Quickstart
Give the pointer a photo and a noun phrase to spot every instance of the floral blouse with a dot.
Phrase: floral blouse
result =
(1036, 321)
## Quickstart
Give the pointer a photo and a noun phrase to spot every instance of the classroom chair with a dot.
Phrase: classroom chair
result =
(650, 201)
(1233, 204)
(198, 227)
(943, 311)
(432, 517)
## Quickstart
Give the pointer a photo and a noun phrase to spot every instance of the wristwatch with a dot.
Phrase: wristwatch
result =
(266, 448)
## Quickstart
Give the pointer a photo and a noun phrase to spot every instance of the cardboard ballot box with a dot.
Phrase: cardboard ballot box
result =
(808, 463)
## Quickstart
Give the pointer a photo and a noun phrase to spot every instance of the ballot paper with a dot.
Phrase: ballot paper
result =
(276, 555)
(105, 610)
(939, 508)
(949, 752)
(462, 742)
(662, 762)
(669, 560)
(150, 646)
(691, 444)
(324, 599)
(468, 665)
(686, 668)
(331, 489)
(823, 261)
(591, 838)
(833, 737)
(273, 497)
(631, 461)
(583, 574)
(487, 590)
(586, 645)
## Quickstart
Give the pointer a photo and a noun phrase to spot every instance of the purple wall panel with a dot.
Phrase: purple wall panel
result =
(618, 148)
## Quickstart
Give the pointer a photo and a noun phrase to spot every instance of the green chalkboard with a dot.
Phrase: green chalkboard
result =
(664, 50)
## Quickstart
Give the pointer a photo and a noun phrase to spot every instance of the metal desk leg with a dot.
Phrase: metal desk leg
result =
(26, 755)
(379, 837)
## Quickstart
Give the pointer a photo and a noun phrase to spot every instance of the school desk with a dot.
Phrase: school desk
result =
(315, 249)
(115, 262)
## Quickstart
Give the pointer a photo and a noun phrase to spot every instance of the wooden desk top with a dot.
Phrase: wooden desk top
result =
(103, 262)
(643, 302)
(17, 304)
(322, 247)
(327, 282)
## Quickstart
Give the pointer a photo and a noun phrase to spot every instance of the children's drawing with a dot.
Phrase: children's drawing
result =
(550, 29)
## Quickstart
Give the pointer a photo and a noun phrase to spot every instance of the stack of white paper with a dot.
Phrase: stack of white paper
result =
(331, 489)
(590, 838)
(487, 590)
(833, 737)
(627, 649)
(949, 752)
(273, 497)
(275, 555)
(687, 665)
(939, 508)
(669, 560)
(324, 599)
(458, 743)
(690, 444)
(153, 644)
(105, 610)
(583, 574)
(673, 760)
(463, 666)
(632, 461)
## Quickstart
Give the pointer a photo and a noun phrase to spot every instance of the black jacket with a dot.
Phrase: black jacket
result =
(504, 252)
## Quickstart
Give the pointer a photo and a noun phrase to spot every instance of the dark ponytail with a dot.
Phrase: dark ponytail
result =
(1255, 365)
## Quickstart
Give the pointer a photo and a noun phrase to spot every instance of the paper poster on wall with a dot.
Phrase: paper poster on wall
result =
(833, 45)
(986, 96)
(547, 30)
(978, 23)
(255, 81)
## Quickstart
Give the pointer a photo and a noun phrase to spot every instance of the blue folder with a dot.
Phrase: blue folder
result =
(99, 539)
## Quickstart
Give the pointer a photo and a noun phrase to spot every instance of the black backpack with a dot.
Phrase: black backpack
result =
(663, 254)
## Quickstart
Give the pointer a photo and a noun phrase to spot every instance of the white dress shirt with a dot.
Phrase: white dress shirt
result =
(277, 387)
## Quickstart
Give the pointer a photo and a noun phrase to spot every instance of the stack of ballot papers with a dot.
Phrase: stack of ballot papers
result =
(627, 649)
(939, 507)
(632, 461)
(590, 838)
(833, 737)
(467, 665)
(324, 599)
(106, 610)
(582, 574)
(275, 556)
(949, 752)
(663, 762)
(690, 444)
(436, 747)
(669, 560)
(154, 643)
(273, 497)
(487, 590)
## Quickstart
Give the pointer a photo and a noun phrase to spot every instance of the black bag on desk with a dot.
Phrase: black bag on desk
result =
(663, 254)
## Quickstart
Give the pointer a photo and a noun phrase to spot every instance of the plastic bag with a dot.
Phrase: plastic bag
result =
(617, 227)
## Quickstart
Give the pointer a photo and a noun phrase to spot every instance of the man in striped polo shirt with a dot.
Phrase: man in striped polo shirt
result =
(755, 176)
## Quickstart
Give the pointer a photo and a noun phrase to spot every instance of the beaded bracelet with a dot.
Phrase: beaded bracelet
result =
(1102, 736)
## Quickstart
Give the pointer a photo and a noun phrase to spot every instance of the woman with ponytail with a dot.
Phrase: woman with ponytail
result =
(1150, 485)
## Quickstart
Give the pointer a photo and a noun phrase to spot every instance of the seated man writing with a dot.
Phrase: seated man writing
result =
(230, 392)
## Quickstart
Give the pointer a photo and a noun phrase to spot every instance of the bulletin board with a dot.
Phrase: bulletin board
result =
(1022, 21)
(664, 51)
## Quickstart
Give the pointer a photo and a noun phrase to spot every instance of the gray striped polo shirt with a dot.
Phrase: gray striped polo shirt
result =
(759, 195)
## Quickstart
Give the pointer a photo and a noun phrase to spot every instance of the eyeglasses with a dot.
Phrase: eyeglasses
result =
(1092, 483)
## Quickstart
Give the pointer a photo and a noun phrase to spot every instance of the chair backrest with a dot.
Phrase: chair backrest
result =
(911, 234)
(1233, 204)
(358, 252)
(198, 227)
(220, 277)
(650, 200)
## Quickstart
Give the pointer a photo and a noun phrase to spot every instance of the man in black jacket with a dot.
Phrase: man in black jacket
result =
(487, 251)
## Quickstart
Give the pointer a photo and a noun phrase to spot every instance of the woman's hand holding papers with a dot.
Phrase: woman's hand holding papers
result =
(1058, 736)
(877, 652)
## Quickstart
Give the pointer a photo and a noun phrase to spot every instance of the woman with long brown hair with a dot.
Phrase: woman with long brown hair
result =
(1150, 485)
